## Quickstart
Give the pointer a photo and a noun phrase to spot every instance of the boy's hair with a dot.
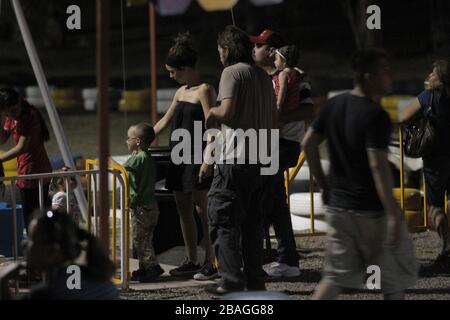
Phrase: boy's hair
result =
(290, 54)
(182, 53)
(443, 72)
(366, 61)
(145, 132)
(238, 44)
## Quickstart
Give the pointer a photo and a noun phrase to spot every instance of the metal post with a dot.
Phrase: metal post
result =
(15, 238)
(66, 182)
(14, 213)
(41, 195)
(89, 199)
(286, 184)
(49, 105)
(311, 201)
(153, 69)
(103, 11)
(123, 234)
(95, 203)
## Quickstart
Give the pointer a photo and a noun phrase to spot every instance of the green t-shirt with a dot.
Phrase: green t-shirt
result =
(141, 176)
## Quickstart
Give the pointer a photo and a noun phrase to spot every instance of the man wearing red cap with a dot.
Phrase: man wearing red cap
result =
(291, 133)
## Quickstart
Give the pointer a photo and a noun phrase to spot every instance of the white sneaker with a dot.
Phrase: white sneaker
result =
(281, 270)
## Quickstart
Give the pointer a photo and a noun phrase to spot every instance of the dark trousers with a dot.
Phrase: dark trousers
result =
(437, 180)
(30, 202)
(236, 225)
(276, 208)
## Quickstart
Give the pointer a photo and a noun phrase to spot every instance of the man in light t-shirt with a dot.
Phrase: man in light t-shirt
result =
(245, 101)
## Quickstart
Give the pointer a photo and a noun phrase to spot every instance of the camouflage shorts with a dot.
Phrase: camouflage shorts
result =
(143, 223)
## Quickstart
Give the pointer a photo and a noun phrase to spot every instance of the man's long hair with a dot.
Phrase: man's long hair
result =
(238, 44)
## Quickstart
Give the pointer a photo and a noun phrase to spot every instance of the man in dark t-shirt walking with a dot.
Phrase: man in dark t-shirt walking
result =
(365, 224)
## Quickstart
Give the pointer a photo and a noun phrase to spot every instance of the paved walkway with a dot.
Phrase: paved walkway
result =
(169, 260)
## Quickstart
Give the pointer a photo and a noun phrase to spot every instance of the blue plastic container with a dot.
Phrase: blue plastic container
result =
(6, 230)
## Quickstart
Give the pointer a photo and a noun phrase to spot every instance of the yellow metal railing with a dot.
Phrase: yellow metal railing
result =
(290, 175)
(125, 242)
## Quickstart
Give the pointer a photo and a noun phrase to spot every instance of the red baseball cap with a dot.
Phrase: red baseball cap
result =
(269, 37)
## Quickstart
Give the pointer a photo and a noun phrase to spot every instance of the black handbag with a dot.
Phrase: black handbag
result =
(421, 135)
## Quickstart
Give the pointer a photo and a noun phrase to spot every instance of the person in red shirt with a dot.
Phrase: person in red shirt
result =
(28, 129)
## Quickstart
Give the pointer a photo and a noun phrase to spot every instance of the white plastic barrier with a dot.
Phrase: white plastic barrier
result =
(34, 96)
(335, 93)
(300, 204)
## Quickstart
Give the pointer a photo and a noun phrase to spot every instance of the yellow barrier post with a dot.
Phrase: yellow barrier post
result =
(286, 174)
(446, 203)
(311, 201)
(113, 199)
(125, 215)
(293, 173)
(89, 197)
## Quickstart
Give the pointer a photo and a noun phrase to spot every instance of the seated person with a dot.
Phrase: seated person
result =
(59, 248)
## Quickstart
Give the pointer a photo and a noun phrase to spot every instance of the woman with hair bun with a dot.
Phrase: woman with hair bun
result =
(188, 181)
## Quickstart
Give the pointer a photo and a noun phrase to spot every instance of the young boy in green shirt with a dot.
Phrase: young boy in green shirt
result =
(144, 208)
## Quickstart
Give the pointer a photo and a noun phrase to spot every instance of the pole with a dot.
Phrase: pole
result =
(48, 100)
(103, 10)
(153, 70)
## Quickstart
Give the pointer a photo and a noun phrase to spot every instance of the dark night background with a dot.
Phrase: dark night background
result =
(413, 31)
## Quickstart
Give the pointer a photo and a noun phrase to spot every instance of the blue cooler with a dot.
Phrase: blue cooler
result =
(6, 230)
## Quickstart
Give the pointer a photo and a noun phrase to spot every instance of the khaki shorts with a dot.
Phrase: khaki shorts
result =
(355, 241)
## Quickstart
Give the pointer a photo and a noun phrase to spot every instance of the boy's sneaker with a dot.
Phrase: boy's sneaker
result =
(148, 275)
(207, 272)
(187, 268)
(281, 270)
(152, 274)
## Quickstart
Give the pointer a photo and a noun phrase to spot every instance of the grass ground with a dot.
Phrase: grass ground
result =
(81, 132)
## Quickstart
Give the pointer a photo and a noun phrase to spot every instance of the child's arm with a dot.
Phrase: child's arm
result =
(59, 201)
(283, 81)
(162, 123)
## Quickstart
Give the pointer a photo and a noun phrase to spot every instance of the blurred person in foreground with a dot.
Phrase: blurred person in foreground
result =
(365, 224)
(57, 247)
